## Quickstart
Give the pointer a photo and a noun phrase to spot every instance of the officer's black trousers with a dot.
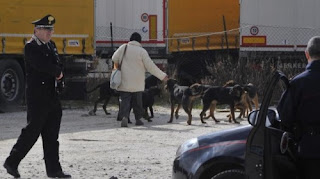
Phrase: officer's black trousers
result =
(309, 168)
(44, 121)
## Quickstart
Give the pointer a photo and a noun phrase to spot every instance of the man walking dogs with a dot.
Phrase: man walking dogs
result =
(44, 112)
(135, 62)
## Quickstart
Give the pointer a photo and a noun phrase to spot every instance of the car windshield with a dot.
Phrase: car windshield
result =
(272, 115)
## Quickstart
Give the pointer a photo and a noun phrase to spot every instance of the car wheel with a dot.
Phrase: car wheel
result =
(227, 174)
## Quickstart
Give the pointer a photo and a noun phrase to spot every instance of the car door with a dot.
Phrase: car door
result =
(264, 158)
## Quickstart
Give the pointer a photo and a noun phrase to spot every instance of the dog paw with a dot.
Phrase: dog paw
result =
(177, 116)
(169, 121)
(107, 113)
(146, 118)
(92, 113)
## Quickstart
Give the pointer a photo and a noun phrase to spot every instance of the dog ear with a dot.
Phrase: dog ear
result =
(236, 91)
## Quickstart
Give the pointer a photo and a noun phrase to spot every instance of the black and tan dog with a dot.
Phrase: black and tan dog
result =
(191, 94)
(221, 95)
(253, 95)
(249, 97)
(181, 95)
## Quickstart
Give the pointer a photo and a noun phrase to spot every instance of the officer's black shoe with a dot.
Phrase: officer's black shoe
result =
(59, 174)
(11, 170)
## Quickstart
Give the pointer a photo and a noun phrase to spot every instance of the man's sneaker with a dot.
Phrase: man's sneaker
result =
(139, 122)
(124, 122)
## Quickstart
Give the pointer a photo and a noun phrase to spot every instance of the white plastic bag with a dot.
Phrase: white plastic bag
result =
(115, 79)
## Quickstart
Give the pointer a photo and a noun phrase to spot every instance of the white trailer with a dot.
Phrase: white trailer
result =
(277, 25)
(116, 20)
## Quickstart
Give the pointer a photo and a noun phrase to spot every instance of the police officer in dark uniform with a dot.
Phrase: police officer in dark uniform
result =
(44, 112)
(299, 112)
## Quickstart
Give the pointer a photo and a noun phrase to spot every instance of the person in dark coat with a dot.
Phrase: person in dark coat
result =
(299, 111)
(44, 112)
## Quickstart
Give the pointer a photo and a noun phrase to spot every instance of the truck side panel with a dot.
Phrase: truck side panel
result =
(128, 16)
(74, 29)
(278, 25)
(200, 25)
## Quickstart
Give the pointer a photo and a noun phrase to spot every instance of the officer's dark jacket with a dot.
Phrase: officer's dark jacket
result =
(41, 71)
(300, 105)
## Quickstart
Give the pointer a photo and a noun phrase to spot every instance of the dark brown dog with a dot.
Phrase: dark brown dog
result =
(105, 93)
(148, 100)
(221, 95)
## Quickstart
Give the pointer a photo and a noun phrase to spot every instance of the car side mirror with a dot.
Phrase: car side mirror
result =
(272, 118)
(252, 118)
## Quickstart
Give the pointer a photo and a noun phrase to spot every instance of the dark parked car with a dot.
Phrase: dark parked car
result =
(241, 152)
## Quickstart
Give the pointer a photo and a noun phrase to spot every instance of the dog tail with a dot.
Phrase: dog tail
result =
(98, 86)
(229, 83)
(196, 89)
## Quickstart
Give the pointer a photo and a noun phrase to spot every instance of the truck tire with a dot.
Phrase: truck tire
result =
(234, 174)
(11, 85)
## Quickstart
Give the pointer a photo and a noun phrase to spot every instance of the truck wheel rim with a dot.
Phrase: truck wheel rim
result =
(9, 85)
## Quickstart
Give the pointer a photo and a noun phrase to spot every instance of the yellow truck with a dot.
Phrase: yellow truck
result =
(73, 35)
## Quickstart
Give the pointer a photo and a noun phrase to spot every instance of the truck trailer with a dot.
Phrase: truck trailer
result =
(73, 35)
(116, 20)
(168, 26)
(277, 26)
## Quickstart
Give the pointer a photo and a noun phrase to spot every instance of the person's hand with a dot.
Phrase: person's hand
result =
(165, 79)
(61, 75)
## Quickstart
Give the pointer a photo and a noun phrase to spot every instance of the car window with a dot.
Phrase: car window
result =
(279, 89)
(276, 95)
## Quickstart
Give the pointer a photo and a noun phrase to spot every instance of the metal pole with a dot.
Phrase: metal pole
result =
(225, 33)
(111, 37)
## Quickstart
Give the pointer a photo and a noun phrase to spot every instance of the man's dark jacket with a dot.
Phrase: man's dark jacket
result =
(300, 106)
(41, 69)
